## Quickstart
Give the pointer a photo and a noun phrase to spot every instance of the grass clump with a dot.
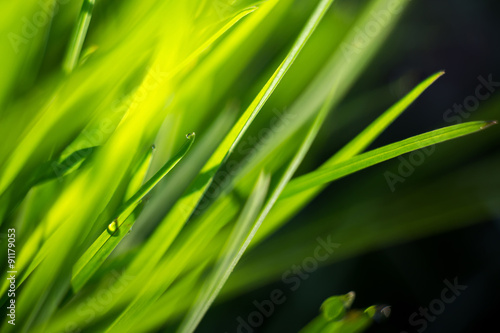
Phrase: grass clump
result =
(85, 95)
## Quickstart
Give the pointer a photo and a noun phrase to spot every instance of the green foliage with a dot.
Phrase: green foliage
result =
(337, 317)
(84, 95)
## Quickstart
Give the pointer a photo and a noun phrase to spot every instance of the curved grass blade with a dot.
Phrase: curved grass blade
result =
(382, 154)
(231, 254)
(78, 37)
(92, 259)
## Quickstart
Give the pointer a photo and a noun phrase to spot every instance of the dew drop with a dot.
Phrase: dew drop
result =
(190, 135)
(113, 226)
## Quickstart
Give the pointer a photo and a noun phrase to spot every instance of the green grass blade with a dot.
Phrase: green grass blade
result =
(231, 254)
(75, 47)
(365, 138)
(336, 316)
(63, 168)
(169, 229)
(339, 73)
(286, 208)
(379, 155)
(92, 259)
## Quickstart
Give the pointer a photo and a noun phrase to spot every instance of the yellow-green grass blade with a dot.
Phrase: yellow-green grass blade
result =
(92, 259)
(170, 227)
(360, 162)
(172, 266)
(191, 165)
(167, 231)
(104, 245)
(168, 270)
(235, 247)
(230, 57)
(79, 33)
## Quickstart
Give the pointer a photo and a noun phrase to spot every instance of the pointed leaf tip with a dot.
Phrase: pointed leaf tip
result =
(489, 124)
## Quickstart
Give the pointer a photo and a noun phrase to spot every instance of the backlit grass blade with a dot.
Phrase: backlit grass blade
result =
(159, 243)
(379, 155)
(365, 138)
(106, 242)
(92, 259)
(230, 256)
(169, 229)
(78, 37)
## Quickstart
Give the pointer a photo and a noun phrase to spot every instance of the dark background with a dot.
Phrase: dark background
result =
(460, 37)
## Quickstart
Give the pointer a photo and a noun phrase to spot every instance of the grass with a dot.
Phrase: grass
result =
(81, 110)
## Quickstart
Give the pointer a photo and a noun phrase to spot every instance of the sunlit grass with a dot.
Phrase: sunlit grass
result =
(86, 94)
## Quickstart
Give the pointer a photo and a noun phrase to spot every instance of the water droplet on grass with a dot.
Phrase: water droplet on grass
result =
(190, 135)
(113, 226)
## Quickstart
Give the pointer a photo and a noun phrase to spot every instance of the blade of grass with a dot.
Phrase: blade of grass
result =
(367, 136)
(227, 264)
(339, 73)
(285, 208)
(382, 154)
(92, 259)
(231, 254)
(366, 226)
(75, 46)
(170, 227)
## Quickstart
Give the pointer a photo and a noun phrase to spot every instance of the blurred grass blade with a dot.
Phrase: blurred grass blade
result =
(336, 317)
(105, 244)
(231, 254)
(379, 155)
(92, 259)
(65, 167)
(75, 46)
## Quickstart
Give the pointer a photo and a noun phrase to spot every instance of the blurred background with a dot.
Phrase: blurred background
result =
(460, 37)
